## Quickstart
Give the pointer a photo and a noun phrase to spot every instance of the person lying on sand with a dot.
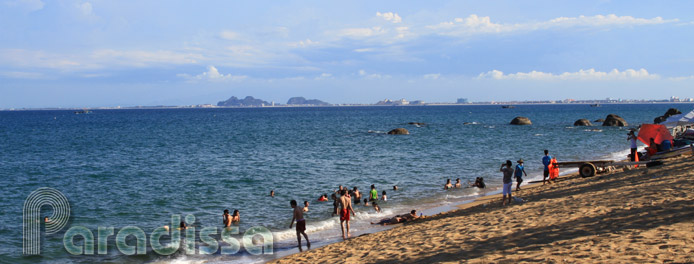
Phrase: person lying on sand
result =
(398, 219)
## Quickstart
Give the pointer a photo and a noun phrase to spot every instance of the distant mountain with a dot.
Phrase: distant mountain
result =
(248, 101)
(304, 101)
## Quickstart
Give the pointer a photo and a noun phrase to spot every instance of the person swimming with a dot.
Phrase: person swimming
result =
(448, 185)
(226, 218)
(305, 206)
(236, 217)
(457, 183)
(323, 198)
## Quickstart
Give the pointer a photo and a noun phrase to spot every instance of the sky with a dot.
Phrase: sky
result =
(74, 53)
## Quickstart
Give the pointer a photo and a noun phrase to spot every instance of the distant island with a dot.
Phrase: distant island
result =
(304, 101)
(245, 102)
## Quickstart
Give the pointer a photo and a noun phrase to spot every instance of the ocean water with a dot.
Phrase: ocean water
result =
(123, 168)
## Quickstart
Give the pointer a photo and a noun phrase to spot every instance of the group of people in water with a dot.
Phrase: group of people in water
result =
(479, 183)
(343, 199)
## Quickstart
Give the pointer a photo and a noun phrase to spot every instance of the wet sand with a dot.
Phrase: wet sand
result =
(635, 216)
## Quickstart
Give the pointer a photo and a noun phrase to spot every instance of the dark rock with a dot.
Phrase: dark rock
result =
(614, 120)
(417, 124)
(248, 101)
(399, 131)
(659, 119)
(304, 101)
(670, 112)
(599, 120)
(521, 120)
(582, 122)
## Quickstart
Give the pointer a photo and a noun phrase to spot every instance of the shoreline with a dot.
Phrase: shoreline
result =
(550, 199)
(319, 106)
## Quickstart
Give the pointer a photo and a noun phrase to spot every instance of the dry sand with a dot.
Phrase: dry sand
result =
(643, 215)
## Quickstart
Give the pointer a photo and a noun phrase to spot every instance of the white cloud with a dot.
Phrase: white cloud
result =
(432, 76)
(372, 76)
(26, 5)
(324, 76)
(361, 32)
(229, 35)
(390, 16)
(141, 58)
(590, 74)
(474, 24)
(85, 8)
(212, 74)
(305, 43)
(22, 75)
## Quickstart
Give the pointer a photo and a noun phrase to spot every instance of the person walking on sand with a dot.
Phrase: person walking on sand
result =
(520, 170)
(374, 193)
(632, 138)
(546, 161)
(345, 209)
(508, 173)
(298, 215)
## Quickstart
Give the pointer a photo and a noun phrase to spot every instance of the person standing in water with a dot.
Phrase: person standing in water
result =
(357, 195)
(508, 174)
(545, 161)
(346, 209)
(226, 218)
(298, 215)
(520, 170)
(374, 193)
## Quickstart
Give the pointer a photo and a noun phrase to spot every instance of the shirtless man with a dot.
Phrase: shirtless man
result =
(226, 218)
(357, 195)
(346, 207)
(457, 183)
(300, 224)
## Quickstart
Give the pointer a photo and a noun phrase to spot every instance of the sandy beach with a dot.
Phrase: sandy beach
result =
(643, 215)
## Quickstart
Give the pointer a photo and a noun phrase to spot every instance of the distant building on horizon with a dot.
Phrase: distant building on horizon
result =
(461, 101)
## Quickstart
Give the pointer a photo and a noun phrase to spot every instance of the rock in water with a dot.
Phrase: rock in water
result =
(670, 112)
(599, 120)
(614, 120)
(659, 119)
(521, 120)
(582, 122)
(399, 131)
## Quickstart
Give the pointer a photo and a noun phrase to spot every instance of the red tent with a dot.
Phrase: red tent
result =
(657, 132)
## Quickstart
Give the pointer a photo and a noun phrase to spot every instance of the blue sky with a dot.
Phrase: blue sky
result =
(109, 53)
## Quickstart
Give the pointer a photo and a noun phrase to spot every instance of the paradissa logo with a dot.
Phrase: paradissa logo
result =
(256, 240)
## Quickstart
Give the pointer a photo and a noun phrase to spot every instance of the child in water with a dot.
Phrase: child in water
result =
(383, 196)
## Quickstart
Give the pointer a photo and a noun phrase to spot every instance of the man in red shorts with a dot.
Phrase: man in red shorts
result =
(346, 207)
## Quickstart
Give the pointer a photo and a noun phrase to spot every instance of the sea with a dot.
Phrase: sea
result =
(127, 168)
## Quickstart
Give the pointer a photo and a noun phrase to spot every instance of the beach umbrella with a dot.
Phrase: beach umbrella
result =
(657, 132)
(678, 120)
